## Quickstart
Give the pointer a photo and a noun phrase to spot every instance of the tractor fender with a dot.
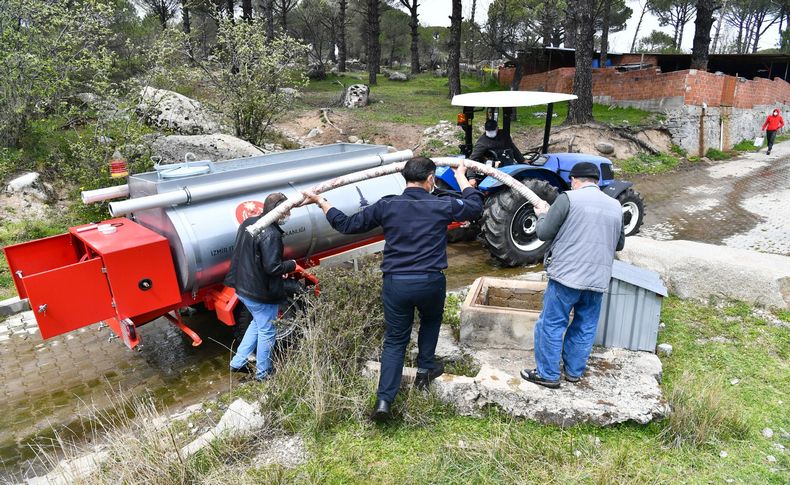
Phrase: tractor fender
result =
(616, 188)
(447, 175)
(520, 172)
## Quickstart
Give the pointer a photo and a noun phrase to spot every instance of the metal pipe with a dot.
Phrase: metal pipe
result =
(351, 178)
(105, 193)
(198, 193)
(547, 129)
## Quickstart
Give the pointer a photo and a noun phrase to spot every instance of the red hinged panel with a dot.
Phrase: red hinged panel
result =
(139, 266)
(40, 255)
(59, 297)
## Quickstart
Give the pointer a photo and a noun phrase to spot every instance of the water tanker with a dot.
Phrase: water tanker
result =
(169, 244)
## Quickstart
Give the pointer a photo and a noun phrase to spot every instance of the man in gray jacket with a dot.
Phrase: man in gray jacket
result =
(586, 228)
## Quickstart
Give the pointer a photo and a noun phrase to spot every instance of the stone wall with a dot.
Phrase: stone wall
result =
(703, 110)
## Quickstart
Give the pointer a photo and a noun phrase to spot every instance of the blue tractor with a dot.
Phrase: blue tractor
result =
(508, 222)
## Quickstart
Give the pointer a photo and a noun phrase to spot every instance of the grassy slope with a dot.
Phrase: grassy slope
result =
(712, 416)
(423, 100)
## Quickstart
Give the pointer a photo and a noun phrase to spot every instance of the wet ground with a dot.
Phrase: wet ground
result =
(744, 203)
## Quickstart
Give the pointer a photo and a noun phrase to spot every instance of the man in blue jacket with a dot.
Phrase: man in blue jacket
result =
(415, 254)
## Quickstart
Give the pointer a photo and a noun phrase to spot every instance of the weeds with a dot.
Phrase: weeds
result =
(702, 413)
(718, 155)
(647, 163)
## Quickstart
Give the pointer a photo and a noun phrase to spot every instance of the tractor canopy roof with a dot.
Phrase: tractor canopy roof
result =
(509, 99)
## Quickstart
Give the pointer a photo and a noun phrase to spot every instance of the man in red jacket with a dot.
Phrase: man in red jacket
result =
(773, 123)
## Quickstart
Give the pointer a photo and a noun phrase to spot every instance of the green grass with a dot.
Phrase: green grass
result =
(719, 155)
(647, 163)
(744, 146)
(423, 100)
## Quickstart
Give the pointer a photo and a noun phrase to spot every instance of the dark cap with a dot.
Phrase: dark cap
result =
(490, 125)
(585, 169)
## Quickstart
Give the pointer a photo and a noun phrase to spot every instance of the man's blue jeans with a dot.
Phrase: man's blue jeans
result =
(258, 338)
(575, 347)
(401, 294)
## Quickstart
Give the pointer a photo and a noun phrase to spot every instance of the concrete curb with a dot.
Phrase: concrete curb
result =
(12, 306)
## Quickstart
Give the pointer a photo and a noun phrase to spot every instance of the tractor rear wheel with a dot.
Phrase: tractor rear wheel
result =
(509, 225)
(633, 210)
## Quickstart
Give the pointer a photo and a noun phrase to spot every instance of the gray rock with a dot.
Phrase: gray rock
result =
(697, 270)
(605, 147)
(88, 98)
(768, 433)
(734, 382)
(74, 470)
(398, 76)
(286, 451)
(446, 347)
(291, 93)
(241, 419)
(771, 458)
(215, 147)
(29, 184)
(664, 349)
(353, 139)
(169, 110)
(12, 306)
(314, 133)
(619, 386)
(356, 96)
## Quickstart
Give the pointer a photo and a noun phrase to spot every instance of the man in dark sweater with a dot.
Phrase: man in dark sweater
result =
(256, 273)
(415, 254)
(500, 143)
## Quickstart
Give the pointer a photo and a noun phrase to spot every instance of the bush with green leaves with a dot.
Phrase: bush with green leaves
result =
(49, 51)
(246, 72)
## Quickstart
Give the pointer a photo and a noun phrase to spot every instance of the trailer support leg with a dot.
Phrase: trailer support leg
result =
(179, 322)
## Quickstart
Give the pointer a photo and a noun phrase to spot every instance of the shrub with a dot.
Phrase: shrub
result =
(702, 413)
(745, 146)
(717, 155)
(647, 163)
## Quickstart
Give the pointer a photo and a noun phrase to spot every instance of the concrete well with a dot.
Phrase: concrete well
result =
(501, 313)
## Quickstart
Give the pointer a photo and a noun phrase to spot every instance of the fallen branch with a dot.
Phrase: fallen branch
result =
(642, 144)
(325, 114)
(388, 169)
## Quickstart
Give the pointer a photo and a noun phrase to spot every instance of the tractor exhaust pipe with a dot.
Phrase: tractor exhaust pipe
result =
(199, 193)
(351, 178)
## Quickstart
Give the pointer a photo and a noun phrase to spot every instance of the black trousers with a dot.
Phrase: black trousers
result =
(401, 295)
(770, 136)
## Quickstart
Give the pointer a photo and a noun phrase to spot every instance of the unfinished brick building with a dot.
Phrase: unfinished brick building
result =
(703, 110)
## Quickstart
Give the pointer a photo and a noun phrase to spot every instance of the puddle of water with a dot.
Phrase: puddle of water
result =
(772, 234)
(468, 261)
(736, 168)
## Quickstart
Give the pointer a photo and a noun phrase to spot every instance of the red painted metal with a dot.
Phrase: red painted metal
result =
(175, 319)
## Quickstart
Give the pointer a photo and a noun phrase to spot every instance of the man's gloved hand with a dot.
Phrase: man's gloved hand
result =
(541, 209)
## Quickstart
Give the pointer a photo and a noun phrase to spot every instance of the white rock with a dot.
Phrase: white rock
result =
(356, 96)
(240, 419)
(734, 381)
(697, 270)
(353, 139)
(29, 183)
(723, 454)
(771, 458)
(779, 446)
(768, 433)
(314, 133)
(166, 109)
(398, 76)
(664, 349)
(291, 93)
(215, 147)
(72, 471)
(577, 453)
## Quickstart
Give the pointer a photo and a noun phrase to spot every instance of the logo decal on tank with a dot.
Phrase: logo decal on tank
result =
(250, 208)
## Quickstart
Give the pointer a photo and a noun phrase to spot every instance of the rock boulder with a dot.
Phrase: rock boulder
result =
(169, 110)
(697, 270)
(205, 147)
(356, 96)
(398, 76)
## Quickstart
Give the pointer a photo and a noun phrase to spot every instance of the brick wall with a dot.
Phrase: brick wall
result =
(692, 86)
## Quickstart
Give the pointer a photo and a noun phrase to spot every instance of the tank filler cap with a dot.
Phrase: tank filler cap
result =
(187, 169)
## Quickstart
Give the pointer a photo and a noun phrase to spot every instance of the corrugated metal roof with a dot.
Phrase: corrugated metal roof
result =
(641, 277)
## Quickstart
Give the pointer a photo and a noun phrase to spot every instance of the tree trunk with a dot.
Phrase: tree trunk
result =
(374, 46)
(246, 10)
(571, 24)
(414, 24)
(678, 31)
(454, 57)
(163, 18)
(607, 11)
(715, 46)
(284, 20)
(473, 28)
(341, 37)
(231, 7)
(580, 110)
(268, 14)
(185, 22)
(702, 26)
(547, 26)
(638, 26)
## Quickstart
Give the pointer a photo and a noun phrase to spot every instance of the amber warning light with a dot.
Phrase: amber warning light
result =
(461, 119)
